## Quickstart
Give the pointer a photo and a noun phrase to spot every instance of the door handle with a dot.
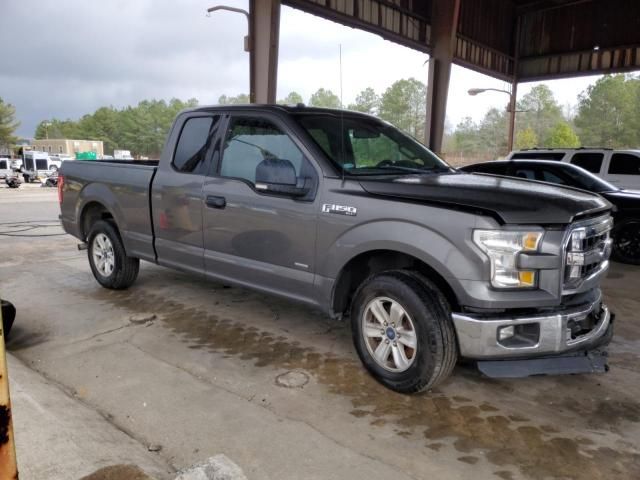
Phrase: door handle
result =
(216, 202)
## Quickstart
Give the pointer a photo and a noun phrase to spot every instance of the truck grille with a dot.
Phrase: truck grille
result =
(588, 247)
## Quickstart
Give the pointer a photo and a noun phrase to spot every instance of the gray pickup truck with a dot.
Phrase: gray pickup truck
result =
(345, 213)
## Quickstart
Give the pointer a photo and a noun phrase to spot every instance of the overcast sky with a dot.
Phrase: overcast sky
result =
(65, 58)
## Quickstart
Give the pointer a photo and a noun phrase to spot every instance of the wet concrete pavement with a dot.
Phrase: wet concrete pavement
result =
(204, 376)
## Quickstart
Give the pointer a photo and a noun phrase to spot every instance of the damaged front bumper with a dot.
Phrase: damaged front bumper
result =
(580, 328)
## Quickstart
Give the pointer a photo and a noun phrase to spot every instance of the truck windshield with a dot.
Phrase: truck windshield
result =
(363, 146)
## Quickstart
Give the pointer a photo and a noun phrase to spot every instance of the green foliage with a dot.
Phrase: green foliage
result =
(538, 117)
(466, 137)
(324, 98)
(237, 100)
(526, 138)
(562, 136)
(367, 101)
(488, 139)
(141, 129)
(8, 123)
(540, 111)
(293, 98)
(608, 112)
(404, 105)
(57, 129)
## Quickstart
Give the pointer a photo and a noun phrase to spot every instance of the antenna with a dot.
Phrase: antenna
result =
(341, 117)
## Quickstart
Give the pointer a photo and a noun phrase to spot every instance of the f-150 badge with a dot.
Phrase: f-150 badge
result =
(339, 209)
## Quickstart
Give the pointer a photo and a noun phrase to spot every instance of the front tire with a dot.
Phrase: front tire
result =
(111, 266)
(626, 242)
(402, 331)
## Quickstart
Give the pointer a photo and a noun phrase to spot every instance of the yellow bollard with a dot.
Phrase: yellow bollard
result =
(8, 465)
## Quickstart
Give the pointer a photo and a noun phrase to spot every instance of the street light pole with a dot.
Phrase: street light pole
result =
(46, 129)
(248, 41)
(512, 107)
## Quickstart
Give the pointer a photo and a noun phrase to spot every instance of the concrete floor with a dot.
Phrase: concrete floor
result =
(203, 378)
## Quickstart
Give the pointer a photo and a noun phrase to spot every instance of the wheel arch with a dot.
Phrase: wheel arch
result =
(91, 212)
(362, 266)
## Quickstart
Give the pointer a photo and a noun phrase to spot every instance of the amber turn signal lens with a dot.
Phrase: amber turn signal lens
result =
(530, 241)
(527, 278)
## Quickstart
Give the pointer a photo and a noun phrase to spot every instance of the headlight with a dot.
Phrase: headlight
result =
(502, 247)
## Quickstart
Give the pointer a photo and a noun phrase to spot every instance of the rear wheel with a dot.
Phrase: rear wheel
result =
(402, 331)
(111, 266)
(626, 242)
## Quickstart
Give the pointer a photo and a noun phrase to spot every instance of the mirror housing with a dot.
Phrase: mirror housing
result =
(278, 176)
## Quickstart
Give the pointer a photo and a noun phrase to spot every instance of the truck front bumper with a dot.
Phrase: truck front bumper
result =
(525, 336)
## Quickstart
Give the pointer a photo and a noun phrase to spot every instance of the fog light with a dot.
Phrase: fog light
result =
(506, 332)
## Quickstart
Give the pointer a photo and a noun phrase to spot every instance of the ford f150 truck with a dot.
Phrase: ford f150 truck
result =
(344, 212)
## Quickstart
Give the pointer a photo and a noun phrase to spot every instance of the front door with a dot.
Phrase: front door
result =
(264, 241)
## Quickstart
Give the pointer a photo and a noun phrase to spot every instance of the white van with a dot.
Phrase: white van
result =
(38, 164)
(619, 167)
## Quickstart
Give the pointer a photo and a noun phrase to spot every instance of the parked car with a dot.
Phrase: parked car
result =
(60, 157)
(618, 167)
(346, 213)
(122, 155)
(626, 214)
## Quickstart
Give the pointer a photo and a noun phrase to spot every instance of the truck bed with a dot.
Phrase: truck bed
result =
(123, 187)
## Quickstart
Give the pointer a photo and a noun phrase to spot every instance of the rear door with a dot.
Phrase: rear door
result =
(624, 170)
(258, 239)
(177, 192)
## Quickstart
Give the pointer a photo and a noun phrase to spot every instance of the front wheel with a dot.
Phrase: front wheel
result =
(111, 266)
(402, 331)
(626, 242)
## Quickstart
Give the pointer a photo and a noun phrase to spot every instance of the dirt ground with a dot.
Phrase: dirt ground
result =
(198, 368)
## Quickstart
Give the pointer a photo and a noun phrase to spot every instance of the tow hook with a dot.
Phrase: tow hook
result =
(83, 246)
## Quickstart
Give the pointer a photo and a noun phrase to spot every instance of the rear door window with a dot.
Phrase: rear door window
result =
(590, 161)
(3, 164)
(624, 164)
(192, 151)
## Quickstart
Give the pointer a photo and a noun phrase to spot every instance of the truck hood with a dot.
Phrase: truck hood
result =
(509, 200)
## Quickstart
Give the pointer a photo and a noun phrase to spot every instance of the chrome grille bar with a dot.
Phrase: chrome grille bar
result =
(587, 251)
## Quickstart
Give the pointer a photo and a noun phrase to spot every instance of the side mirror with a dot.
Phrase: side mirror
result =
(279, 176)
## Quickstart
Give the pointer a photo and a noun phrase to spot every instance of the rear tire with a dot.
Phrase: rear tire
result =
(111, 266)
(626, 242)
(408, 303)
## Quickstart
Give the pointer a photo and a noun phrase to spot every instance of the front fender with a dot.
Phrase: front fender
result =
(453, 261)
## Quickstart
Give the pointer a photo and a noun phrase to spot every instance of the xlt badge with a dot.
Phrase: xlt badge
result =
(339, 209)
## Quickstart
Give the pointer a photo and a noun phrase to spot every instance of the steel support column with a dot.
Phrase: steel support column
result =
(512, 114)
(443, 36)
(264, 36)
